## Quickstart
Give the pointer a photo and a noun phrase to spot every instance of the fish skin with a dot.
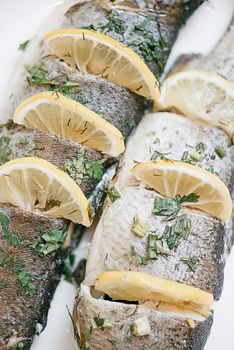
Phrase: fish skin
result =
(19, 311)
(168, 331)
(207, 239)
(120, 98)
(208, 235)
(112, 102)
(170, 14)
(50, 147)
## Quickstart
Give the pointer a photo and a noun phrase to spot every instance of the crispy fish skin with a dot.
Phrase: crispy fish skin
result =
(207, 239)
(168, 330)
(20, 311)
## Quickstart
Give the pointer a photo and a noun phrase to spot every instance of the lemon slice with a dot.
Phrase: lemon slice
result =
(171, 178)
(36, 185)
(138, 286)
(52, 112)
(98, 54)
(200, 95)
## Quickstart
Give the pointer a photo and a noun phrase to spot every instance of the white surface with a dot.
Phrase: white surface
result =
(202, 29)
(19, 20)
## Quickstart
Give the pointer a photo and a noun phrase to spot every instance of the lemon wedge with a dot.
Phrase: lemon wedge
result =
(36, 185)
(200, 95)
(171, 178)
(139, 286)
(54, 113)
(98, 54)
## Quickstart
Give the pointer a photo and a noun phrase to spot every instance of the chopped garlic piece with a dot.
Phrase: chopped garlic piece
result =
(191, 323)
(138, 227)
(141, 327)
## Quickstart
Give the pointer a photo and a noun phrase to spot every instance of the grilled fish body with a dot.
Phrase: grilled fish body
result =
(21, 310)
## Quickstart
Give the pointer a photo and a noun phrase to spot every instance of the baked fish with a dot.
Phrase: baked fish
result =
(197, 259)
(30, 244)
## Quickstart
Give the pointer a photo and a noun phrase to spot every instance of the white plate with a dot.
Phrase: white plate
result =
(19, 20)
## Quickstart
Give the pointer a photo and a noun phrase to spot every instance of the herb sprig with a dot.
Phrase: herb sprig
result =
(80, 168)
(190, 261)
(5, 151)
(170, 207)
(51, 241)
(10, 237)
(37, 76)
(24, 279)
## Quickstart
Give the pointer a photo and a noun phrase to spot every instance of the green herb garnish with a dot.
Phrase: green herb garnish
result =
(80, 169)
(11, 238)
(113, 194)
(170, 239)
(21, 141)
(159, 155)
(23, 45)
(150, 48)
(5, 151)
(37, 76)
(25, 279)
(51, 240)
(170, 207)
(220, 151)
(102, 323)
(113, 24)
(191, 261)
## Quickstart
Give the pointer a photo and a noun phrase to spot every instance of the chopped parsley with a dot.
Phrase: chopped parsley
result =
(190, 261)
(102, 323)
(21, 141)
(23, 45)
(113, 194)
(51, 240)
(161, 245)
(5, 151)
(170, 207)
(197, 154)
(24, 279)
(150, 48)
(80, 168)
(158, 155)
(113, 24)
(37, 76)
(10, 237)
